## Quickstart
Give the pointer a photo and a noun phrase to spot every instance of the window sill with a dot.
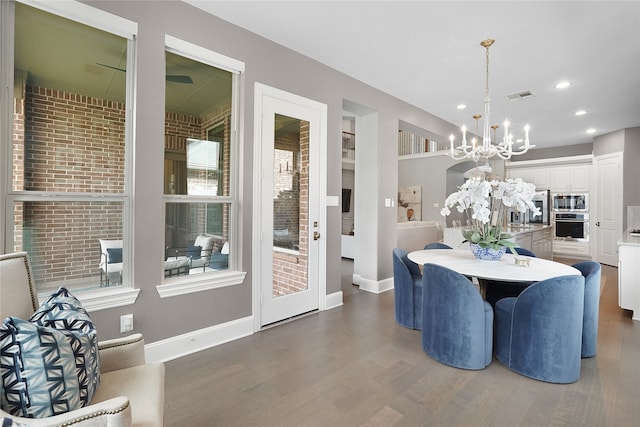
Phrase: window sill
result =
(103, 298)
(187, 285)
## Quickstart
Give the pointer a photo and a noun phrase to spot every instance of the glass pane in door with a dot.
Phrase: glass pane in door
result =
(290, 205)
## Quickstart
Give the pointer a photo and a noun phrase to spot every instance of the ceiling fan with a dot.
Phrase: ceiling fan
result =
(170, 78)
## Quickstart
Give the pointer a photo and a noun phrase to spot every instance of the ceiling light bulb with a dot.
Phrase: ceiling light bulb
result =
(461, 106)
(580, 113)
(591, 130)
(563, 85)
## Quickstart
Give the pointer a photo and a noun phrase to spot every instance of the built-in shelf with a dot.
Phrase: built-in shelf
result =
(411, 142)
(348, 146)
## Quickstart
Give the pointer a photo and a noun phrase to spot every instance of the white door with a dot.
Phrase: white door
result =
(290, 224)
(606, 211)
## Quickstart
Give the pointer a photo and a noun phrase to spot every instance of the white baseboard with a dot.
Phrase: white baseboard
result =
(192, 342)
(376, 286)
(333, 300)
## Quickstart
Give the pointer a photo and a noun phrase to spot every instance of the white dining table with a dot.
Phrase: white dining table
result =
(505, 269)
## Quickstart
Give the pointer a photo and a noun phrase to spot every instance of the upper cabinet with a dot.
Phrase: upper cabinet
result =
(570, 179)
(568, 175)
(537, 175)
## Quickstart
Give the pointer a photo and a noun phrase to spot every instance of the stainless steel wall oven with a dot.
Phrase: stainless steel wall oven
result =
(571, 226)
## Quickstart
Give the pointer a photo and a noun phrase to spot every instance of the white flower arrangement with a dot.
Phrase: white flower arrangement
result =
(485, 204)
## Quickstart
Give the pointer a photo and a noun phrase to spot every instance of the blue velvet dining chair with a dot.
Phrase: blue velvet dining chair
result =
(457, 324)
(407, 289)
(437, 245)
(539, 333)
(591, 272)
(495, 290)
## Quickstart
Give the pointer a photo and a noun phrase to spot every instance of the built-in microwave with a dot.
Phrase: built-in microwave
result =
(574, 202)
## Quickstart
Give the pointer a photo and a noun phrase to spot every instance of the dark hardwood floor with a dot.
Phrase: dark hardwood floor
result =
(354, 366)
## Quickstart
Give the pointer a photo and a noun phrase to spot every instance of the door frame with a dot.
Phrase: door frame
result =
(260, 92)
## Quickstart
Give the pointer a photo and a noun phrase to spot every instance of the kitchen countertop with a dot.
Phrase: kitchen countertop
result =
(628, 239)
(518, 229)
(524, 229)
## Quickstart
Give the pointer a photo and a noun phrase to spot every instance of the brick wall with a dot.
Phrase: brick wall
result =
(290, 270)
(72, 143)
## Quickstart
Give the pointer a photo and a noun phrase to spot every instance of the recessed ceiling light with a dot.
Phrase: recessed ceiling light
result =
(580, 113)
(563, 85)
(591, 130)
(461, 106)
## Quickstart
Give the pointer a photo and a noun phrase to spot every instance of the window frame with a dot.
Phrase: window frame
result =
(186, 284)
(93, 299)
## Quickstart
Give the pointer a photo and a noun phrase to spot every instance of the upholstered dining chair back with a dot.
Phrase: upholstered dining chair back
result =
(437, 245)
(496, 290)
(407, 289)
(591, 271)
(523, 252)
(539, 333)
(457, 324)
(17, 290)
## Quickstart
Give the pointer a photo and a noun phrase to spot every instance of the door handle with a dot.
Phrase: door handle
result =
(316, 235)
(598, 224)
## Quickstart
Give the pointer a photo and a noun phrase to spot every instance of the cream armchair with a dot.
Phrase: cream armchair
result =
(131, 392)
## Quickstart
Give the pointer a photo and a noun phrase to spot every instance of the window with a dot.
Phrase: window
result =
(68, 188)
(200, 165)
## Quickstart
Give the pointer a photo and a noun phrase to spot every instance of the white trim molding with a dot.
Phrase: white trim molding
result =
(376, 286)
(180, 286)
(333, 300)
(192, 342)
(103, 298)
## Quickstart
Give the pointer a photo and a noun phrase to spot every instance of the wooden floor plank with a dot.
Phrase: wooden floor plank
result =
(354, 366)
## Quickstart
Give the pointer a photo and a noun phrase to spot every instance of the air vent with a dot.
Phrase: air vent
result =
(520, 95)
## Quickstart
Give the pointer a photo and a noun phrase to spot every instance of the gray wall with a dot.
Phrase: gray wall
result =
(631, 171)
(555, 152)
(273, 65)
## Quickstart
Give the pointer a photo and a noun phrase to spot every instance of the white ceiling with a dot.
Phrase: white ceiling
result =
(428, 53)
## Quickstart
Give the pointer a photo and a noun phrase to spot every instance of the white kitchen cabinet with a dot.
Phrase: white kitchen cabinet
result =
(570, 178)
(523, 240)
(542, 243)
(629, 278)
(570, 249)
(539, 176)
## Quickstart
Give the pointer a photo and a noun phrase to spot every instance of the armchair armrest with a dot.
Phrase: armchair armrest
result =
(114, 412)
(120, 353)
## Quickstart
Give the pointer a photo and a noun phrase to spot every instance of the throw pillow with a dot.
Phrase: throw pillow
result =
(115, 255)
(49, 365)
(8, 422)
(194, 252)
(205, 242)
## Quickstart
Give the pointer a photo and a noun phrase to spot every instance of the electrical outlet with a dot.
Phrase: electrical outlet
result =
(126, 323)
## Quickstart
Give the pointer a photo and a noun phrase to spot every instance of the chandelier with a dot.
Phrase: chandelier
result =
(485, 150)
